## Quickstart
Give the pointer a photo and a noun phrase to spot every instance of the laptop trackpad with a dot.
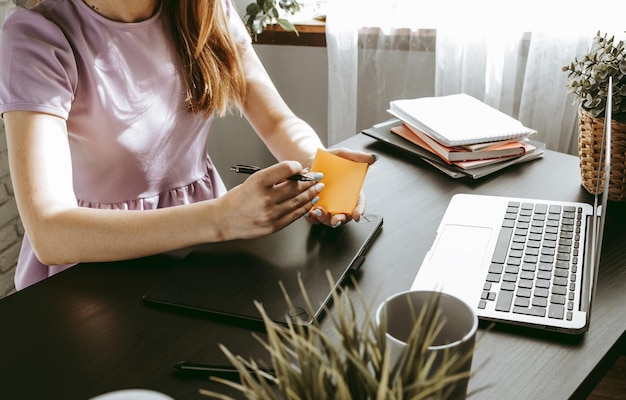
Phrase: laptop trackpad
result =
(461, 248)
(455, 264)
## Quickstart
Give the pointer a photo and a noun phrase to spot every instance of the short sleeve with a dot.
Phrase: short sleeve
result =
(37, 65)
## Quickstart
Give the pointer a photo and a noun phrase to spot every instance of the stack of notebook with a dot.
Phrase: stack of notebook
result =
(458, 134)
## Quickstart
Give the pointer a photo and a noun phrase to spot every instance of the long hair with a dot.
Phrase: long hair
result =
(212, 68)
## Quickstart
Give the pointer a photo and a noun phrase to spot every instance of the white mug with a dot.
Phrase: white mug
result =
(456, 338)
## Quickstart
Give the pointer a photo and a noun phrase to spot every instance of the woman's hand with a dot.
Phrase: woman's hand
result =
(319, 215)
(267, 201)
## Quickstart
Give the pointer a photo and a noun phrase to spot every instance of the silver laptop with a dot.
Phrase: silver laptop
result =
(521, 261)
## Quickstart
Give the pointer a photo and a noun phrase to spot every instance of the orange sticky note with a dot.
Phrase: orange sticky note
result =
(343, 180)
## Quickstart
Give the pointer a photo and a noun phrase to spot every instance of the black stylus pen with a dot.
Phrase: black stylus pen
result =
(211, 369)
(251, 169)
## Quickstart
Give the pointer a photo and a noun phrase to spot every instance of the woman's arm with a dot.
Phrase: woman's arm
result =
(287, 136)
(63, 233)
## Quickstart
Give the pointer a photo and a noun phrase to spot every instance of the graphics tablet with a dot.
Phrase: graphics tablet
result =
(224, 279)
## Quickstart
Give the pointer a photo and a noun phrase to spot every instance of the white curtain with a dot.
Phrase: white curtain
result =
(507, 54)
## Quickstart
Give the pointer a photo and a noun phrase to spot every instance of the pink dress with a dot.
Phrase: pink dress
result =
(134, 145)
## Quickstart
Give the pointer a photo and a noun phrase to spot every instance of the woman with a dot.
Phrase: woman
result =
(107, 107)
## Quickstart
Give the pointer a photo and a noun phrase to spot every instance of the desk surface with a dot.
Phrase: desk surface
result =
(86, 331)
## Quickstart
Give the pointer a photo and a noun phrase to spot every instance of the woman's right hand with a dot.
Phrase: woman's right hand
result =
(266, 201)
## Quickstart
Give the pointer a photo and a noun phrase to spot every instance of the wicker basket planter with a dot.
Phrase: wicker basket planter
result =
(589, 141)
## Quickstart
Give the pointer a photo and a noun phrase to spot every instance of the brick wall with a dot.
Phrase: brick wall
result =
(11, 230)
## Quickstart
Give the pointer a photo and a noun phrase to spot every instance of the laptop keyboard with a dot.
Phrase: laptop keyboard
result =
(534, 267)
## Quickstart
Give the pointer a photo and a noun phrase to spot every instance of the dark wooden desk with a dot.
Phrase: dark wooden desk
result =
(86, 331)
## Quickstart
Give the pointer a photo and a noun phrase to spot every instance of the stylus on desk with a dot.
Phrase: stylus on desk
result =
(251, 169)
(193, 368)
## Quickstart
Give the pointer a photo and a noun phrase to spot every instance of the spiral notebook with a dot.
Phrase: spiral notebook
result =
(382, 133)
(458, 119)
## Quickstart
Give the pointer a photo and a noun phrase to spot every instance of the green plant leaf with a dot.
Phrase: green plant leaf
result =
(286, 25)
(253, 9)
(261, 13)
(588, 75)
(258, 24)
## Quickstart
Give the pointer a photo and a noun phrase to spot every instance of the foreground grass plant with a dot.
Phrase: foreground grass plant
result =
(352, 362)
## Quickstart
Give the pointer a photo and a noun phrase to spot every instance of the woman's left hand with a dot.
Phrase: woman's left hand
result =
(318, 215)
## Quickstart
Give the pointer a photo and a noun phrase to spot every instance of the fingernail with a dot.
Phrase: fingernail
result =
(376, 157)
(318, 176)
(307, 215)
(315, 200)
(319, 187)
(337, 225)
(317, 212)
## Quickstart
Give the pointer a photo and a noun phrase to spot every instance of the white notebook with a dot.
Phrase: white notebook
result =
(458, 119)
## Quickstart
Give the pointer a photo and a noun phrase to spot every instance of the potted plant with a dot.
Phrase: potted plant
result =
(308, 363)
(261, 13)
(588, 78)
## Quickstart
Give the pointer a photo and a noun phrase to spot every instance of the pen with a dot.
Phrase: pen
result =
(193, 368)
(251, 169)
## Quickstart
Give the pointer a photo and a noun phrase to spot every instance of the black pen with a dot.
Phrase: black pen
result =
(193, 368)
(251, 169)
